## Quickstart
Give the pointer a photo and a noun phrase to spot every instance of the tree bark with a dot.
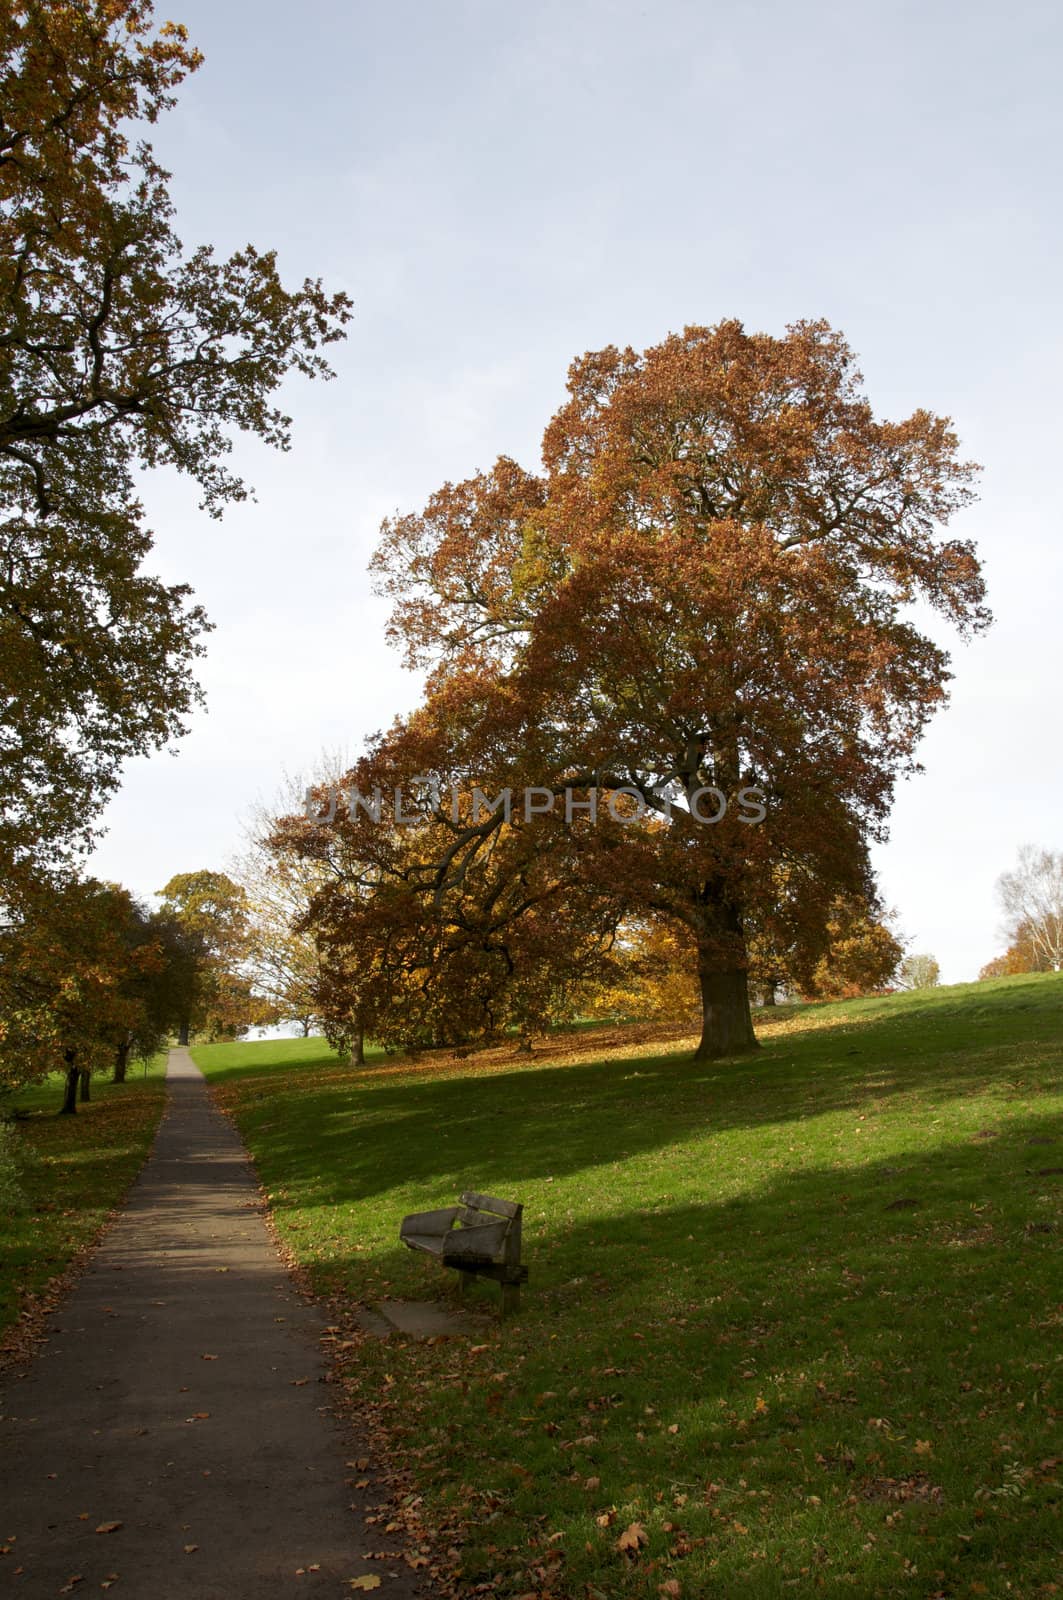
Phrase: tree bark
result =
(182, 1035)
(70, 1093)
(768, 997)
(121, 1061)
(726, 1023)
(358, 1053)
(85, 1076)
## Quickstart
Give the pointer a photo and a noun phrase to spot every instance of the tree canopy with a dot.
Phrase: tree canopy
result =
(119, 350)
(701, 607)
(82, 983)
(210, 915)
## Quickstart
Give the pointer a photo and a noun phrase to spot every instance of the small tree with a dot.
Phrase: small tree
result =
(71, 982)
(918, 972)
(211, 911)
(1022, 955)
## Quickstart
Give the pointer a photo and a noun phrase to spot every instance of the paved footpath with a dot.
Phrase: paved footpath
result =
(225, 1475)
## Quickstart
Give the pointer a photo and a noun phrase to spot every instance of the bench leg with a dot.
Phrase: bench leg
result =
(510, 1298)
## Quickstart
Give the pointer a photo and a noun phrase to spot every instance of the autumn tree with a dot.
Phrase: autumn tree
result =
(211, 911)
(73, 983)
(1031, 895)
(655, 975)
(119, 350)
(918, 972)
(862, 953)
(1023, 954)
(705, 593)
(419, 956)
(283, 959)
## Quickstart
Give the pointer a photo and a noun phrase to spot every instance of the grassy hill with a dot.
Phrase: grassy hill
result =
(793, 1321)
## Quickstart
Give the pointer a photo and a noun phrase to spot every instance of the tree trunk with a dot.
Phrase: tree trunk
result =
(768, 997)
(70, 1093)
(85, 1077)
(726, 1023)
(358, 1053)
(182, 1035)
(121, 1061)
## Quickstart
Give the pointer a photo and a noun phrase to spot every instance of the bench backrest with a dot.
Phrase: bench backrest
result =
(484, 1202)
(476, 1205)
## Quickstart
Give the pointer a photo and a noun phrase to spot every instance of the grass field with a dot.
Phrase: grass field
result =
(792, 1324)
(69, 1172)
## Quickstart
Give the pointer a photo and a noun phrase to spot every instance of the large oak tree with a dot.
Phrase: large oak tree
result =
(709, 587)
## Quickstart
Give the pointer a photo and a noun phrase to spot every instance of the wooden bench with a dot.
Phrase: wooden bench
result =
(478, 1237)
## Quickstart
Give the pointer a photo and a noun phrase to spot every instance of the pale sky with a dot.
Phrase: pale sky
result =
(501, 187)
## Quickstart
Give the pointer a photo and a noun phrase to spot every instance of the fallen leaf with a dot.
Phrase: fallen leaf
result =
(923, 1447)
(369, 1580)
(108, 1527)
(632, 1538)
(670, 1588)
(208, 1358)
(189, 1548)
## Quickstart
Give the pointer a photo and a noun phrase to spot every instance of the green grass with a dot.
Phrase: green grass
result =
(226, 1060)
(735, 1334)
(69, 1173)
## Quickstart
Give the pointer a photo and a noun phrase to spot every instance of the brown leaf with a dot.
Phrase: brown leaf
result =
(368, 1580)
(632, 1539)
(108, 1527)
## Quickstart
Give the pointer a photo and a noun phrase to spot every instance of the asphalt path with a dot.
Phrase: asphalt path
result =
(178, 1405)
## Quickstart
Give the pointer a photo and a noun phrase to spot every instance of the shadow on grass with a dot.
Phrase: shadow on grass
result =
(804, 1336)
(360, 1133)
